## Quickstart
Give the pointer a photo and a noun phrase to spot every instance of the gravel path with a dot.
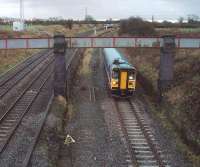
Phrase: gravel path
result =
(98, 142)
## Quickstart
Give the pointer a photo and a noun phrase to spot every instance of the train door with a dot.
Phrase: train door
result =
(123, 80)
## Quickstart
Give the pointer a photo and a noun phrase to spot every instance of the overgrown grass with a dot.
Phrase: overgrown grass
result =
(183, 97)
(9, 58)
(160, 114)
(42, 30)
(85, 62)
(54, 128)
(5, 27)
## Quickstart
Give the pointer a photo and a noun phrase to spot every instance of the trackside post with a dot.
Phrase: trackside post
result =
(60, 64)
(167, 54)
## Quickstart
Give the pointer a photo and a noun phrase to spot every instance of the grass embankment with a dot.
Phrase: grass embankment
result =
(85, 62)
(52, 136)
(45, 30)
(180, 113)
(179, 31)
(53, 29)
(9, 58)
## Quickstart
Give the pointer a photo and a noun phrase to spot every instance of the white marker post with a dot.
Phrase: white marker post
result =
(95, 30)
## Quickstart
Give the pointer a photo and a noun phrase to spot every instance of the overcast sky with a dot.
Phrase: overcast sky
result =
(101, 9)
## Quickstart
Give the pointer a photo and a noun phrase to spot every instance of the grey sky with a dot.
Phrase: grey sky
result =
(101, 9)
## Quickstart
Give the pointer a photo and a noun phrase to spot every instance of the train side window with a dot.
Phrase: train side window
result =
(115, 74)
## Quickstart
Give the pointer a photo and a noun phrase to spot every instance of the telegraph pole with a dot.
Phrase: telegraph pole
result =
(86, 13)
(152, 18)
(21, 11)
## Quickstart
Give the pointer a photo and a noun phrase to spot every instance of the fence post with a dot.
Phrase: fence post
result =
(60, 65)
(166, 74)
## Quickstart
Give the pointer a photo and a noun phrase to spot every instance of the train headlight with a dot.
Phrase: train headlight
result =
(131, 77)
(114, 82)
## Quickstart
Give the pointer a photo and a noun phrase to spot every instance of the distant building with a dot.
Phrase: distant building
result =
(18, 26)
(106, 26)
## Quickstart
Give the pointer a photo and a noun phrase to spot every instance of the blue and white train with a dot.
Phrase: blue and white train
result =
(121, 75)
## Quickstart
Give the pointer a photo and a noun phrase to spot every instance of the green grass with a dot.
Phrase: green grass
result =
(12, 57)
(5, 27)
(159, 114)
(189, 30)
(183, 97)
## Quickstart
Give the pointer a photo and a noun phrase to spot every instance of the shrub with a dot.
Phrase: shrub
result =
(136, 26)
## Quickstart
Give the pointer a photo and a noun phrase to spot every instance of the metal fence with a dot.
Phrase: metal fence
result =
(98, 42)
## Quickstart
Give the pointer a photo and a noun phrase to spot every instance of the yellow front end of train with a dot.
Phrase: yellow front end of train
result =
(121, 75)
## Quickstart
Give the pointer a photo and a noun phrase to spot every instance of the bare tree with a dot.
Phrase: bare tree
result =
(180, 20)
(193, 18)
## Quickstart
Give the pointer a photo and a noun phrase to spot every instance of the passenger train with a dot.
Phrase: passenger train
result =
(121, 75)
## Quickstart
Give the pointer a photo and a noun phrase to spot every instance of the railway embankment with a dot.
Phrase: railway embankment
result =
(179, 112)
(9, 58)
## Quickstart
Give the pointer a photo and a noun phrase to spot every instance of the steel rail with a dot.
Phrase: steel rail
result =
(150, 143)
(23, 75)
(131, 151)
(35, 58)
(127, 127)
(12, 131)
(35, 140)
(24, 91)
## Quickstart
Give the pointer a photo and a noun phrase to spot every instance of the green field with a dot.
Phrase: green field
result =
(5, 27)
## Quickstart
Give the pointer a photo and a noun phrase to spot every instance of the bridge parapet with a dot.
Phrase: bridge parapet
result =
(99, 42)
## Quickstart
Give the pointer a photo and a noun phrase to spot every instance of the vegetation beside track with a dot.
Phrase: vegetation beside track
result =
(46, 30)
(9, 58)
(52, 135)
(138, 26)
(180, 110)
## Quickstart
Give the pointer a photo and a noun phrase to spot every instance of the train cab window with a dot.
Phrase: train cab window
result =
(115, 74)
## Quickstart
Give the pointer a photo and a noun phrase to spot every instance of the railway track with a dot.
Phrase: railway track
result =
(13, 116)
(142, 148)
(18, 110)
(30, 150)
(71, 55)
(8, 74)
(9, 81)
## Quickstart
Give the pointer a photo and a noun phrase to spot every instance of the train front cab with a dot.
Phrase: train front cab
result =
(123, 82)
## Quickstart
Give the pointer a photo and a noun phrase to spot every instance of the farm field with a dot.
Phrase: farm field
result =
(10, 58)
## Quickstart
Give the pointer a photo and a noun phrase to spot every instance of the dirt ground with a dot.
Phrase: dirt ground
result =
(93, 124)
(92, 121)
(97, 142)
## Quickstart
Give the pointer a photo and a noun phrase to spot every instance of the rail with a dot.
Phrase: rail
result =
(142, 147)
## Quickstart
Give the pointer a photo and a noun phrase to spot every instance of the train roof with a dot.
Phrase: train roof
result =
(115, 58)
